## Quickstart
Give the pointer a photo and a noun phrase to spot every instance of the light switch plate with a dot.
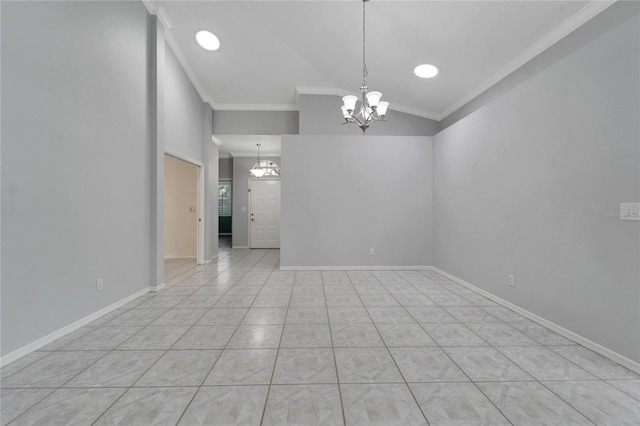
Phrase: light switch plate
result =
(629, 211)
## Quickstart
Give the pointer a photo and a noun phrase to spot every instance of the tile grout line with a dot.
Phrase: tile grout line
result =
(159, 358)
(204, 379)
(131, 386)
(474, 383)
(637, 398)
(275, 363)
(29, 408)
(333, 350)
(433, 382)
(107, 352)
(535, 380)
(456, 364)
(389, 285)
(566, 402)
(424, 416)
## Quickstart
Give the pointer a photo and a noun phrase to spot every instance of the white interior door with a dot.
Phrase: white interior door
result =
(264, 217)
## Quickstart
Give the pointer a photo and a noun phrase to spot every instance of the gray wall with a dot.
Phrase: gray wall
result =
(522, 186)
(226, 168)
(321, 115)
(75, 162)
(255, 122)
(240, 198)
(183, 111)
(342, 195)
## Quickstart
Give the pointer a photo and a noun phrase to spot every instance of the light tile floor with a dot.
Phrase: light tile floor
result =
(239, 342)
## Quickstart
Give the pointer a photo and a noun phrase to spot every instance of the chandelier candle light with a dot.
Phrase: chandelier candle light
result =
(264, 167)
(371, 108)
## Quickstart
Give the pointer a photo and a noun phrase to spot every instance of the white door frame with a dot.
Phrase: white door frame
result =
(201, 195)
(249, 202)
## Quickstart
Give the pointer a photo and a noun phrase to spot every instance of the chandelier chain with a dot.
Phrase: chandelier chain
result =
(365, 71)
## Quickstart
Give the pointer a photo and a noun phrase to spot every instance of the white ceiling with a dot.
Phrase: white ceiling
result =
(271, 50)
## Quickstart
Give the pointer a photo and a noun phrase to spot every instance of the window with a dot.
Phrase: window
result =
(224, 199)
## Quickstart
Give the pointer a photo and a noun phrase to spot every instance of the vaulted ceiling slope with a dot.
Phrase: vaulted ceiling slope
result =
(272, 50)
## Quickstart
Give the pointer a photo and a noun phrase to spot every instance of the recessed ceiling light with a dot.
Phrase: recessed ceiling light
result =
(426, 71)
(207, 40)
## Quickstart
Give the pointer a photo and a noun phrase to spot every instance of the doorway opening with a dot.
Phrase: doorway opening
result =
(225, 201)
(225, 191)
(183, 212)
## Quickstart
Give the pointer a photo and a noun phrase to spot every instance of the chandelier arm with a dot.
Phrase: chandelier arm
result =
(357, 121)
(353, 119)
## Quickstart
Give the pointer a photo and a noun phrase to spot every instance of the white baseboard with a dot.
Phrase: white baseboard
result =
(157, 288)
(27, 349)
(206, 262)
(354, 268)
(240, 247)
(608, 353)
(180, 256)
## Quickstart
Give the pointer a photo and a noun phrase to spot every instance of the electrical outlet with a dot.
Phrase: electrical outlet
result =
(512, 280)
(371, 252)
(99, 284)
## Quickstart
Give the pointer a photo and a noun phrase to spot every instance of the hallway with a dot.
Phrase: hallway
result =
(240, 342)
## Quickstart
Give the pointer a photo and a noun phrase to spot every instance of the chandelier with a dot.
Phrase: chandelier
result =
(264, 167)
(371, 108)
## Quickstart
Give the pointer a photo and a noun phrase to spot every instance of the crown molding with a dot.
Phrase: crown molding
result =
(207, 100)
(154, 9)
(164, 18)
(171, 41)
(255, 107)
(414, 111)
(151, 6)
(252, 154)
(315, 91)
(334, 91)
(216, 140)
(578, 19)
(310, 90)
